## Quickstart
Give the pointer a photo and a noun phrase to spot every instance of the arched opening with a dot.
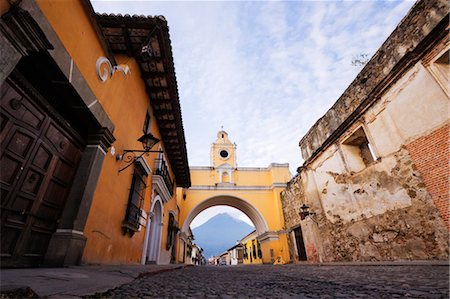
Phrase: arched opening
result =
(217, 230)
(254, 216)
(225, 177)
(241, 204)
(154, 227)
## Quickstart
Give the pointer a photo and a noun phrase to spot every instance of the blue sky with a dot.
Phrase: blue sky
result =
(265, 70)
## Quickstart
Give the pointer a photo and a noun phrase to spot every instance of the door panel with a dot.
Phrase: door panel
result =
(300, 244)
(38, 161)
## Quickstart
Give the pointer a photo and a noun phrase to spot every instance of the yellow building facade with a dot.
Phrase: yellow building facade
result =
(254, 191)
(82, 88)
(252, 249)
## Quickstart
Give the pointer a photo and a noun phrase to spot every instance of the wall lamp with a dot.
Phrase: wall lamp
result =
(129, 156)
(304, 212)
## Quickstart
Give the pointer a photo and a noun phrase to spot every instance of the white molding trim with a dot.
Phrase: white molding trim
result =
(268, 236)
(233, 187)
(72, 231)
(160, 186)
(151, 222)
(144, 165)
(201, 168)
(272, 165)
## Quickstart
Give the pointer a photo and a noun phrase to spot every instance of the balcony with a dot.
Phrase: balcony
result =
(161, 173)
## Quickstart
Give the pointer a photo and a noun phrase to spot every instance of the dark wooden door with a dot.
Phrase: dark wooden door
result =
(300, 244)
(38, 160)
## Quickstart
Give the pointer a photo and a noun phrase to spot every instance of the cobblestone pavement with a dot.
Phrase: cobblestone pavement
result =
(291, 281)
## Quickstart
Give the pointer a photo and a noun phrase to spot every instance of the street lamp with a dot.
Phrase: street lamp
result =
(304, 212)
(129, 156)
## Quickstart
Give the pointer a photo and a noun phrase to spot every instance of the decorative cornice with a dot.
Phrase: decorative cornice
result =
(228, 186)
(103, 137)
(144, 165)
(160, 187)
(268, 236)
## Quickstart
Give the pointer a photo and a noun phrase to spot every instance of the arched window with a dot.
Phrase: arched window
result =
(225, 177)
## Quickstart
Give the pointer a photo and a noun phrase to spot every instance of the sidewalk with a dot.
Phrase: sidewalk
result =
(73, 282)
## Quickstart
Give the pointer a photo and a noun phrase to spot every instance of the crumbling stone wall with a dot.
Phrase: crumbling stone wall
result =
(413, 233)
(398, 52)
(381, 207)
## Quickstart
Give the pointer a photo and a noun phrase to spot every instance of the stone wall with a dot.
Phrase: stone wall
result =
(416, 232)
(376, 175)
(404, 46)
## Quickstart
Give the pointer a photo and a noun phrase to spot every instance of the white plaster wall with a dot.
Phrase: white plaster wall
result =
(414, 106)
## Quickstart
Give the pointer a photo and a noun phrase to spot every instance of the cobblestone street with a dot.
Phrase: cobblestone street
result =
(292, 281)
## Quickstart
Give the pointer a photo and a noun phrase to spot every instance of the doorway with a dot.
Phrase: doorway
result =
(154, 238)
(301, 251)
(39, 157)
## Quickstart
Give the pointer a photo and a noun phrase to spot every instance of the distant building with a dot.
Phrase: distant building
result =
(252, 249)
(375, 182)
(224, 259)
(236, 254)
(253, 190)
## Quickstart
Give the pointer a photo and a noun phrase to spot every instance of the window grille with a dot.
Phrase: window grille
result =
(131, 223)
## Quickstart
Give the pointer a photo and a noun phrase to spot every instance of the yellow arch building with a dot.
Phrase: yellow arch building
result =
(254, 191)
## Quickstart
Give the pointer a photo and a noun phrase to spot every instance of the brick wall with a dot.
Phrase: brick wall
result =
(431, 156)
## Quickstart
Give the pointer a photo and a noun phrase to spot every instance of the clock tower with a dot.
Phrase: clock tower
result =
(223, 158)
(223, 151)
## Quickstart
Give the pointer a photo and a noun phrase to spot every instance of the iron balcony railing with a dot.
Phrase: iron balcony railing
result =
(162, 169)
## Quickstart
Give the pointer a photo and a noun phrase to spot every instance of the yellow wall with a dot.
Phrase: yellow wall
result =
(248, 242)
(125, 101)
(244, 176)
(260, 187)
(263, 200)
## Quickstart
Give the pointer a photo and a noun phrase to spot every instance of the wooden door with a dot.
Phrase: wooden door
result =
(300, 244)
(38, 160)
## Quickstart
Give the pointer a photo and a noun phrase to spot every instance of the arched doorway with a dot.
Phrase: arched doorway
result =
(154, 232)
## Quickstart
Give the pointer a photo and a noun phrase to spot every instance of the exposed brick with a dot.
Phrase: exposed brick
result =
(431, 156)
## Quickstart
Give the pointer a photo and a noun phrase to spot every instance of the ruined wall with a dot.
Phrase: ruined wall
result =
(413, 232)
(430, 154)
(380, 190)
(397, 51)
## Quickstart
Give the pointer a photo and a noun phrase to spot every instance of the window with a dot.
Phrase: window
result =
(172, 230)
(259, 249)
(358, 151)
(225, 177)
(440, 68)
(147, 123)
(131, 223)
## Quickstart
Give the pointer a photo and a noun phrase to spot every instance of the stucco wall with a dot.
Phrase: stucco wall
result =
(126, 103)
(384, 210)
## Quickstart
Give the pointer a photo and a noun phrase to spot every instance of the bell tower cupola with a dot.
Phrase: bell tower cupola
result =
(223, 151)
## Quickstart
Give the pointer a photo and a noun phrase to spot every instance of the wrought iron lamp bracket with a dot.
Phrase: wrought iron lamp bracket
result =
(130, 156)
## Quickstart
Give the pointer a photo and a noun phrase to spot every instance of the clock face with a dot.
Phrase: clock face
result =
(223, 154)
